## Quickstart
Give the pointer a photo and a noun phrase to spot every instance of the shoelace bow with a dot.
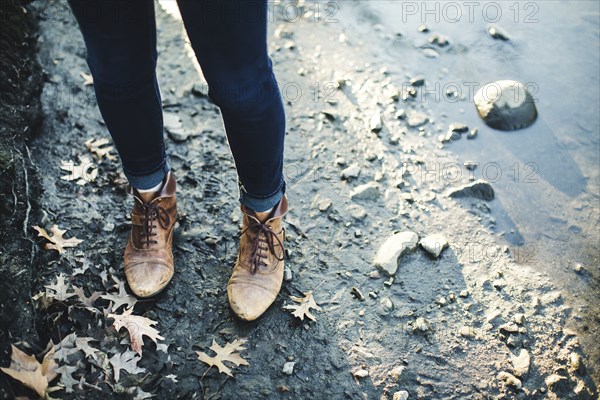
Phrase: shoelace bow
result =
(264, 235)
(152, 212)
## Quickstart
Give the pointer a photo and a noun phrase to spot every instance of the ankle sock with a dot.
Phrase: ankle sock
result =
(152, 189)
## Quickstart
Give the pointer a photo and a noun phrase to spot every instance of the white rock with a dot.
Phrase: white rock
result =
(401, 395)
(360, 373)
(288, 367)
(368, 191)
(416, 119)
(434, 244)
(351, 172)
(387, 257)
(521, 363)
(510, 379)
(375, 124)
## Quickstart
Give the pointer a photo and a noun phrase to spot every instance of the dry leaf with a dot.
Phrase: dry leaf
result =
(66, 377)
(83, 173)
(88, 80)
(227, 353)
(121, 298)
(60, 289)
(137, 326)
(27, 370)
(88, 302)
(95, 146)
(303, 308)
(125, 361)
(57, 242)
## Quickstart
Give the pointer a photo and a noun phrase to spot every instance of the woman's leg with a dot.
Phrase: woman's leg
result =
(120, 37)
(229, 38)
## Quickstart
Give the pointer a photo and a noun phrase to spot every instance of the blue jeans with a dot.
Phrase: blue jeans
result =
(229, 38)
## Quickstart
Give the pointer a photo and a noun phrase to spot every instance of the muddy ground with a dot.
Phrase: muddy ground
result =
(481, 302)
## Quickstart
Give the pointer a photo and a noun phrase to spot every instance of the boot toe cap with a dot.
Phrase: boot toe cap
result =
(249, 301)
(147, 279)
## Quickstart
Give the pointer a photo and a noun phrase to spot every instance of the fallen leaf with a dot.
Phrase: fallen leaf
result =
(127, 362)
(137, 326)
(227, 353)
(88, 302)
(66, 377)
(303, 308)
(57, 242)
(83, 173)
(60, 290)
(27, 370)
(88, 80)
(95, 146)
(121, 298)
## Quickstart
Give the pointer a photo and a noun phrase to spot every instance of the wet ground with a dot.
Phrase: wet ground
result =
(443, 328)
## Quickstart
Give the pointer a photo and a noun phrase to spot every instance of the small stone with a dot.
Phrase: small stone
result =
(554, 382)
(434, 244)
(497, 32)
(396, 372)
(357, 294)
(521, 363)
(400, 114)
(430, 53)
(464, 293)
(417, 81)
(458, 127)
(467, 331)
(416, 119)
(441, 301)
(368, 191)
(508, 327)
(351, 172)
(375, 123)
(506, 105)
(510, 379)
(578, 268)
(388, 255)
(358, 233)
(422, 325)
(479, 189)
(423, 28)
(519, 318)
(288, 368)
(287, 274)
(575, 362)
(360, 373)
(374, 275)
(341, 161)
(401, 395)
(179, 135)
(372, 295)
(324, 204)
(386, 304)
(357, 212)
(473, 133)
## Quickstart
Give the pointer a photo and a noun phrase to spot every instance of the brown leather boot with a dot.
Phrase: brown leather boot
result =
(148, 256)
(258, 271)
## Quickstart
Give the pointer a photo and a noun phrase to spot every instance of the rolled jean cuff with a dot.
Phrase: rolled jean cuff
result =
(262, 203)
(147, 181)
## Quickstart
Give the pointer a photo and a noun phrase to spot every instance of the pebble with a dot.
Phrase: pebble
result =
(375, 123)
(497, 32)
(387, 257)
(417, 81)
(434, 244)
(467, 331)
(505, 105)
(416, 119)
(386, 304)
(396, 372)
(368, 191)
(360, 373)
(351, 172)
(510, 379)
(400, 395)
(509, 327)
(519, 318)
(357, 294)
(288, 367)
(464, 293)
(553, 381)
(430, 53)
(374, 275)
(357, 212)
(575, 362)
(423, 28)
(440, 40)
(287, 274)
(324, 204)
(473, 133)
(422, 324)
(478, 189)
(458, 127)
(521, 363)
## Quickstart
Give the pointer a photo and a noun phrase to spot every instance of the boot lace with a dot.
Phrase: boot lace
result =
(153, 212)
(262, 244)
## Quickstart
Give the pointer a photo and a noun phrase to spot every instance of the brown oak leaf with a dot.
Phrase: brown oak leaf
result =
(83, 173)
(137, 326)
(121, 298)
(95, 146)
(60, 290)
(302, 309)
(227, 353)
(57, 242)
(27, 370)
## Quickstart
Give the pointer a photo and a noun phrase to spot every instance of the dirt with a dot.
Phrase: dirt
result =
(332, 86)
